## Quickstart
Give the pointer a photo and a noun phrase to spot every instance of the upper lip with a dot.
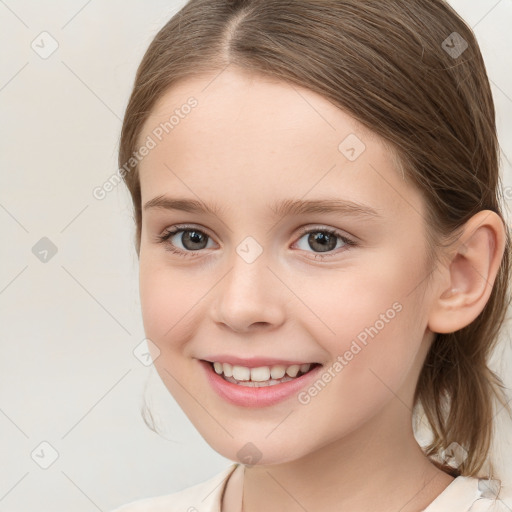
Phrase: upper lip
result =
(254, 362)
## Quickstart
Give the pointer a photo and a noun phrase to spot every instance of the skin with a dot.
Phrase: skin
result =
(249, 142)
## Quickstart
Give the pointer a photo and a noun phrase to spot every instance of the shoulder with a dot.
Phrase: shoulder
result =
(469, 494)
(202, 497)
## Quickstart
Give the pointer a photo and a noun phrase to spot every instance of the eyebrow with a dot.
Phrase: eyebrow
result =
(280, 209)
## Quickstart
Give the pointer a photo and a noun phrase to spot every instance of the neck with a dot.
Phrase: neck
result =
(378, 467)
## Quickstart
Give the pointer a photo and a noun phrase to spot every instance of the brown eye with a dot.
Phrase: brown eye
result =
(184, 240)
(324, 240)
(193, 240)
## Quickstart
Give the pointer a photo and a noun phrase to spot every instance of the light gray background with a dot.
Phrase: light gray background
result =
(68, 375)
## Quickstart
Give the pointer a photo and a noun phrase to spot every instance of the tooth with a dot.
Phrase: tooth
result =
(293, 370)
(260, 374)
(228, 369)
(241, 373)
(305, 367)
(277, 372)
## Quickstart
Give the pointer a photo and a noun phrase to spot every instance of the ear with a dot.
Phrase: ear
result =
(468, 274)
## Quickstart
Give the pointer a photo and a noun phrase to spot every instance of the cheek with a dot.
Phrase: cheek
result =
(166, 298)
(371, 323)
(167, 304)
(370, 299)
(157, 300)
(172, 304)
(372, 358)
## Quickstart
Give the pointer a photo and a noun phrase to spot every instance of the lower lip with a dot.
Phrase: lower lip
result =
(245, 396)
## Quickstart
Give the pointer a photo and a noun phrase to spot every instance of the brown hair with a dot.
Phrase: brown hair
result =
(390, 65)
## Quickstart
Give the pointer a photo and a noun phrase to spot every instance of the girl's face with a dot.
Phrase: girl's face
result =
(345, 287)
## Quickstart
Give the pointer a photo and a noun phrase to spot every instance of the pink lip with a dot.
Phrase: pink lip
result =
(253, 362)
(244, 396)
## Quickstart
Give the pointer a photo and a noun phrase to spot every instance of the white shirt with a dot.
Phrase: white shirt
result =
(464, 494)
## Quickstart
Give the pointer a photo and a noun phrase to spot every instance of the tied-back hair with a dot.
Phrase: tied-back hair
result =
(386, 64)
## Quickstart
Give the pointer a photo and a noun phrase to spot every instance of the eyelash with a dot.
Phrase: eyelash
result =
(164, 237)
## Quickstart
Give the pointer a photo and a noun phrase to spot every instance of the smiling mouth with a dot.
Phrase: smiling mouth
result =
(261, 376)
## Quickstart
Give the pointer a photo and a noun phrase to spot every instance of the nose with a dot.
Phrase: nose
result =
(250, 297)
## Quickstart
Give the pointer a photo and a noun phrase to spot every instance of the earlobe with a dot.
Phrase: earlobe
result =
(467, 280)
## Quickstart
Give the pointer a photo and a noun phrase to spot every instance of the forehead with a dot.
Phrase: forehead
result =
(253, 106)
(248, 133)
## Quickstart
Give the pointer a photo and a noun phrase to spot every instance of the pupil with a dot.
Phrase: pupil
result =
(192, 236)
(324, 239)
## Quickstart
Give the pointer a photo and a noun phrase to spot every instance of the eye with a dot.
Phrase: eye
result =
(192, 239)
(325, 240)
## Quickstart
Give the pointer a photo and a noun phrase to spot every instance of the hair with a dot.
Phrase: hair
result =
(387, 65)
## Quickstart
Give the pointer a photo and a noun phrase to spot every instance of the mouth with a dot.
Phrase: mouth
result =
(261, 376)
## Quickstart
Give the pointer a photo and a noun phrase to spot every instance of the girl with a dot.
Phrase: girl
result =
(323, 254)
